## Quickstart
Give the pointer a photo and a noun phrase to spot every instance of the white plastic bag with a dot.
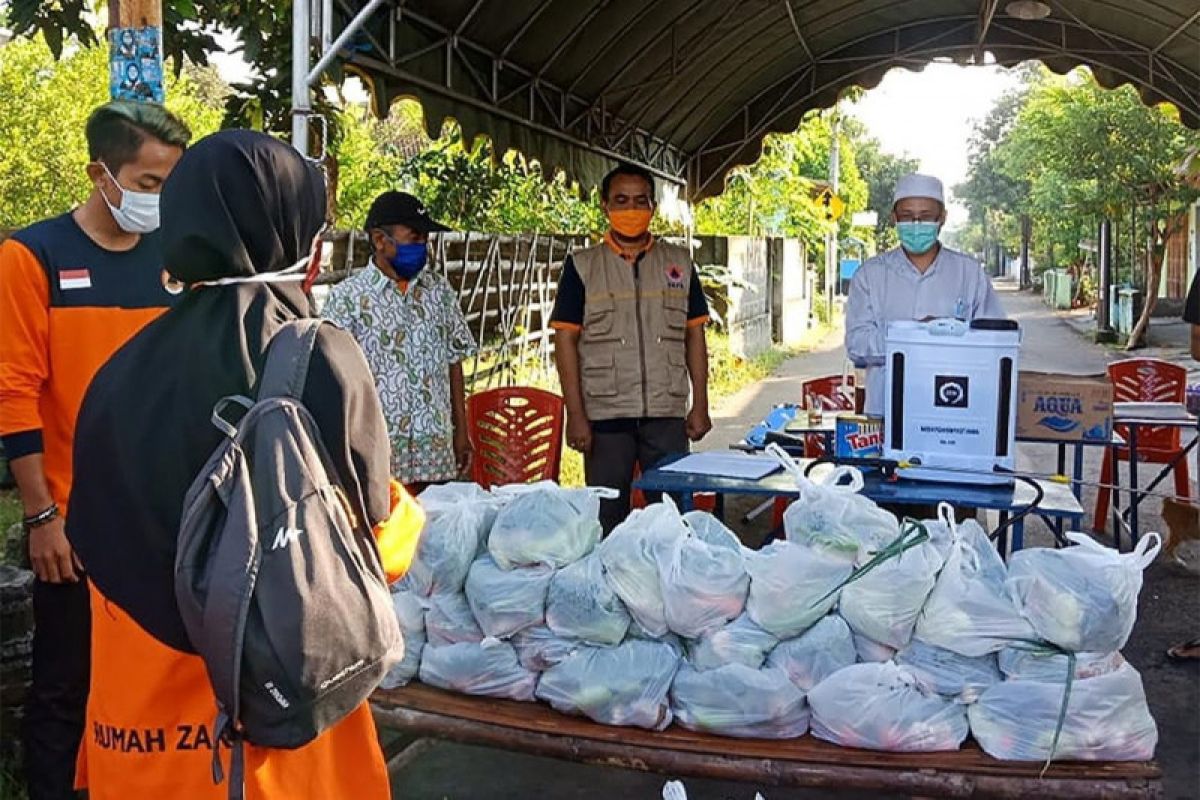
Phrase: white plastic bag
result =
(1081, 598)
(969, 610)
(832, 516)
(1107, 719)
(739, 642)
(870, 651)
(623, 685)
(488, 668)
(816, 654)
(883, 707)
(410, 613)
(544, 524)
(440, 496)
(736, 700)
(949, 673)
(1025, 664)
(631, 555)
(703, 577)
(884, 603)
(449, 620)
(791, 585)
(539, 648)
(505, 601)
(448, 544)
(581, 605)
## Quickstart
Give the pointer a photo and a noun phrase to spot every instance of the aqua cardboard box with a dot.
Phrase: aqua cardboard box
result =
(1064, 408)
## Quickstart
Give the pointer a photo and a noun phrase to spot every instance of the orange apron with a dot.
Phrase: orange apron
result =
(151, 710)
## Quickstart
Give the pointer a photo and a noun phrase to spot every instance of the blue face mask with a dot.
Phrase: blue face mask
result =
(409, 259)
(918, 237)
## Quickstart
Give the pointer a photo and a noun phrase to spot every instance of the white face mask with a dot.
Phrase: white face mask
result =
(138, 212)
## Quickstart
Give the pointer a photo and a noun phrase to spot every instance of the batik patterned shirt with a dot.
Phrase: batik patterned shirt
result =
(411, 334)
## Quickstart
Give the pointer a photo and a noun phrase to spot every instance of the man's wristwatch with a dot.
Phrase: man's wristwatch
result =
(41, 518)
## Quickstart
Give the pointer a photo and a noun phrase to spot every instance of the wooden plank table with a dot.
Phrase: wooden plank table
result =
(536, 729)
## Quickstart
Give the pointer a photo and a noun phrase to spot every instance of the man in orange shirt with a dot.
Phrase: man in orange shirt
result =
(73, 289)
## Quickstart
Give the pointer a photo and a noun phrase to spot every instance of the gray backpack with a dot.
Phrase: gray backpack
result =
(280, 588)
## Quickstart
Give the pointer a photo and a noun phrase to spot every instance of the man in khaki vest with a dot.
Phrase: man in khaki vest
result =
(629, 341)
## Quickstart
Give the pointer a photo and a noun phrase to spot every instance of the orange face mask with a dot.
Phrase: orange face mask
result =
(631, 223)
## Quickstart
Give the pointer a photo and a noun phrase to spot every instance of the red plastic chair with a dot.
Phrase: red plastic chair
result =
(827, 391)
(1146, 380)
(517, 435)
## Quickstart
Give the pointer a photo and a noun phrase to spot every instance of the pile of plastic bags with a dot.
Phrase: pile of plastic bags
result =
(875, 633)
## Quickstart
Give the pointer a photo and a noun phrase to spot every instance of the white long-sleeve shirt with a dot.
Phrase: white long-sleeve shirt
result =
(888, 287)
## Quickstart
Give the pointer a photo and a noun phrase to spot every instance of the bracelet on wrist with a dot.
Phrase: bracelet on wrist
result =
(41, 518)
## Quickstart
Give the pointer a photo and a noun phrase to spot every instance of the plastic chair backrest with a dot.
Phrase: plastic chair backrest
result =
(517, 435)
(1149, 380)
(827, 390)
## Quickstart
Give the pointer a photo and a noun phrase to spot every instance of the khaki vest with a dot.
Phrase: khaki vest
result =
(631, 349)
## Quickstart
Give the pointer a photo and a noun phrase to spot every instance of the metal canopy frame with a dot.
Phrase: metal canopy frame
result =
(708, 78)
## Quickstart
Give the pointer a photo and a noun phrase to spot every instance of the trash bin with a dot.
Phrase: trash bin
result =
(1129, 308)
(1056, 288)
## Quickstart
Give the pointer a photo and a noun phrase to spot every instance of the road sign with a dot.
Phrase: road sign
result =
(831, 205)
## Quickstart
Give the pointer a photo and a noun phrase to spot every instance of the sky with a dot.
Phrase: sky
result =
(928, 115)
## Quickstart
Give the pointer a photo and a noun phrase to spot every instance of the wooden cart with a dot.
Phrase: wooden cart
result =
(424, 713)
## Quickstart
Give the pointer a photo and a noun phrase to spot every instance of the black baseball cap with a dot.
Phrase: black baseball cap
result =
(401, 208)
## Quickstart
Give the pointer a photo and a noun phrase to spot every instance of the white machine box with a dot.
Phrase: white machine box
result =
(951, 398)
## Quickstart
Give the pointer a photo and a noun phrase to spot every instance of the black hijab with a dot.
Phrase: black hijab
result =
(238, 204)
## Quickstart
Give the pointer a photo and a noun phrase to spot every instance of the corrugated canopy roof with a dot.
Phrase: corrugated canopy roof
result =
(690, 87)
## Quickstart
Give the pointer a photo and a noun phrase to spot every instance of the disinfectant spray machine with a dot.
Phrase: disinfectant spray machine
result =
(950, 400)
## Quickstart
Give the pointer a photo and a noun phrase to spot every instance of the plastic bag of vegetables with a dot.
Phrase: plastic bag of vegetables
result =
(739, 642)
(449, 542)
(449, 620)
(623, 685)
(816, 654)
(1106, 719)
(1048, 665)
(969, 610)
(539, 648)
(886, 596)
(544, 524)
(631, 555)
(884, 707)
(947, 672)
(703, 577)
(793, 586)
(441, 496)
(832, 516)
(488, 668)
(581, 605)
(1081, 598)
(410, 613)
(505, 601)
(737, 700)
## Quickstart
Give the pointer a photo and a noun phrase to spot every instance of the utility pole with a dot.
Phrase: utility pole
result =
(1026, 235)
(1104, 331)
(135, 54)
(831, 236)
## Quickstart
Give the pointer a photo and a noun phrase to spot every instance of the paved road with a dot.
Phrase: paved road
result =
(1169, 611)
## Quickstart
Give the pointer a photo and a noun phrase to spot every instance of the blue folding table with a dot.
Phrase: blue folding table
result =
(1058, 502)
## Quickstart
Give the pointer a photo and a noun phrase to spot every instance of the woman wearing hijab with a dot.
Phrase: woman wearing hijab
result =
(239, 208)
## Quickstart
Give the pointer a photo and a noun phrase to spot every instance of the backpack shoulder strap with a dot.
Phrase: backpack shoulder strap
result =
(288, 355)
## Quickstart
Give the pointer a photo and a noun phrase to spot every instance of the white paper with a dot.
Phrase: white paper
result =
(1163, 411)
(724, 465)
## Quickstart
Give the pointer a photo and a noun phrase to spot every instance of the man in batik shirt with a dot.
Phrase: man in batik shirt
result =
(409, 324)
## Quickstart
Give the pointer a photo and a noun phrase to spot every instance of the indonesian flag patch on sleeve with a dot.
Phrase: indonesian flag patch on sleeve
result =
(74, 279)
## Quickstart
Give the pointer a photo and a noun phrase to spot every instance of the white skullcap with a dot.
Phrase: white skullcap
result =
(916, 185)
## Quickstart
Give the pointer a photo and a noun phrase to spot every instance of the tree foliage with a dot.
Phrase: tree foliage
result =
(1068, 152)
(43, 159)
(775, 196)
